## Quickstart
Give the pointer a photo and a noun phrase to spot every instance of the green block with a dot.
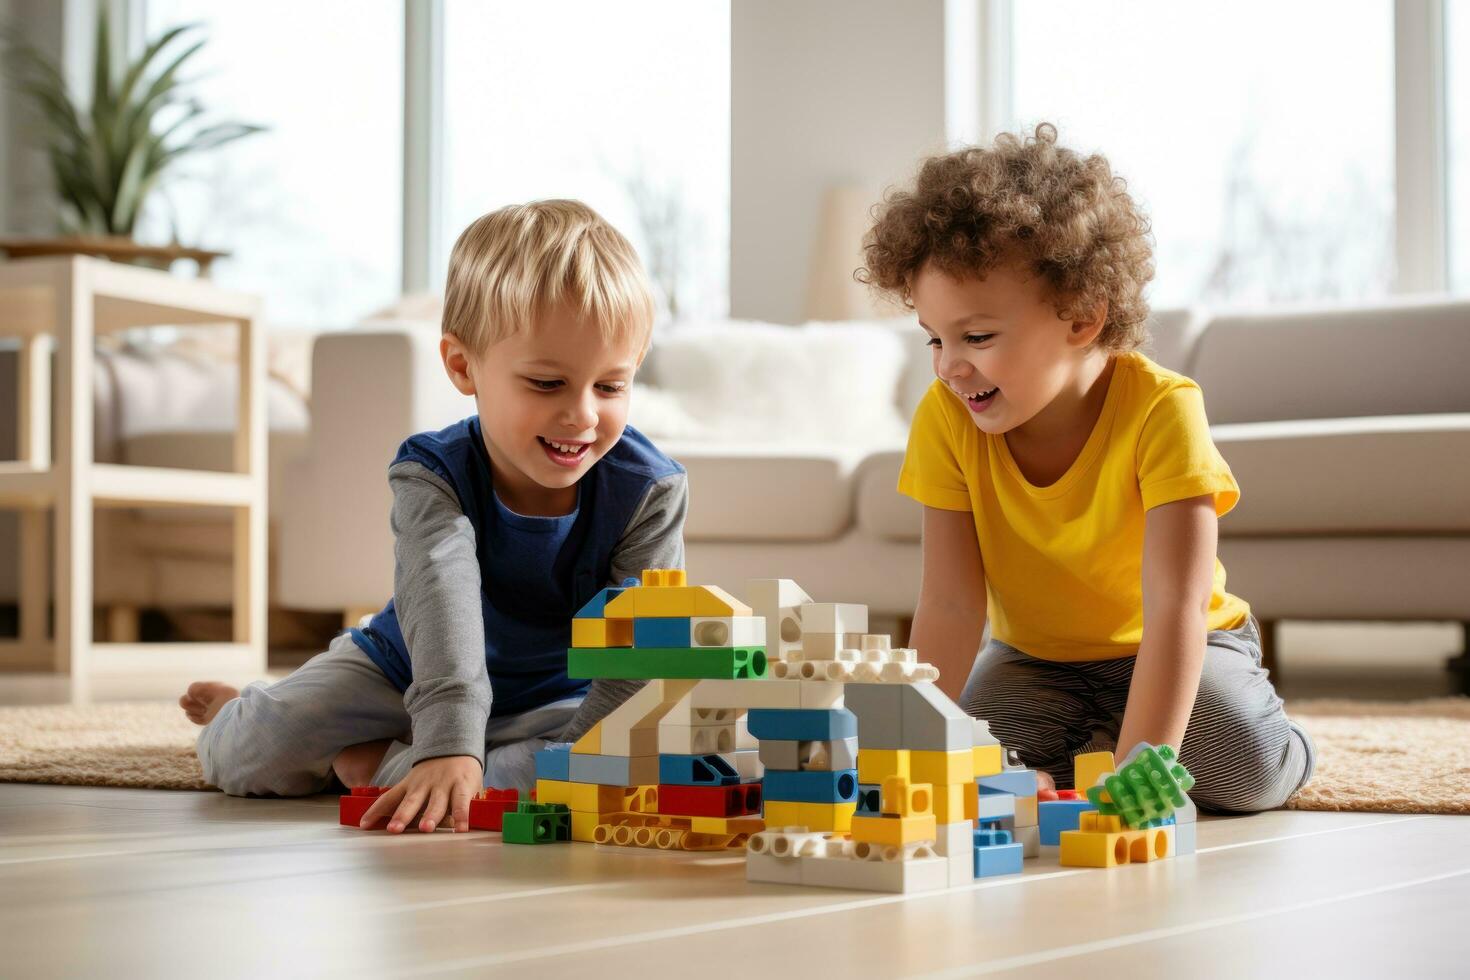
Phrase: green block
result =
(729, 663)
(1146, 790)
(536, 823)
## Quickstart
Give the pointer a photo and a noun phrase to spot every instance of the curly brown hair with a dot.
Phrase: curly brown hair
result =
(1065, 215)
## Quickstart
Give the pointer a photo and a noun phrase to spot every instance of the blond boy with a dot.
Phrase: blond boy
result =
(505, 524)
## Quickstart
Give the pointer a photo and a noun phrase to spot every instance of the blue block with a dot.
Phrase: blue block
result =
(1055, 816)
(991, 838)
(869, 799)
(811, 786)
(999, 859)
(696, 770)
(801, 724)
(596, 607)
(553, 764)
(1017, 782)
(658, 631)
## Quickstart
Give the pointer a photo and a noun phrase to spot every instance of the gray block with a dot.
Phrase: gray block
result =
(879, 710)
(930, 720)
(780, 754)
(828, 756)
(613, 770)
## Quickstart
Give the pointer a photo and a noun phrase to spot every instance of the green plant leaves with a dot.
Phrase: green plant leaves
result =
(108, 157)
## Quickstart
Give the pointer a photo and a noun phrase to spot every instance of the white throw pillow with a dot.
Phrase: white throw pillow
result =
(823, 383)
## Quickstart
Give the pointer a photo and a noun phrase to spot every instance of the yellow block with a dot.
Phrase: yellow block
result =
(1098, 849)
(583, 824)
(893, 830)
(1092, 822)
(876, 765)
(1090, 765)
(590, 743)
(781, 814)
(941, 768)
(721, 826)
(832, 818)
(1084, 849)
(989, 760)
(683, 600)
(665, 577)
(640, 799)
(583, 797)
(598, 633)
(905, 799)
(1025, 811)
(949, 803)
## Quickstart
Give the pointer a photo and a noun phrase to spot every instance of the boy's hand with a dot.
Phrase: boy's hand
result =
(434, 786)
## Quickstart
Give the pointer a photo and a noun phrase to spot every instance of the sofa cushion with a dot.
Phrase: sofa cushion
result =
(882, 511)
(763, 493)
(1397, 473)
(1407, 358)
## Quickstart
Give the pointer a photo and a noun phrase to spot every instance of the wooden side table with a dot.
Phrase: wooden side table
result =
(67, 302)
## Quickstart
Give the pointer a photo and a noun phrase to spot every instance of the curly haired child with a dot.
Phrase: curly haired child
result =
(1071, 490)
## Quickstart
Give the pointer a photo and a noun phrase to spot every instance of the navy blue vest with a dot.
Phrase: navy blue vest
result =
(528, 615)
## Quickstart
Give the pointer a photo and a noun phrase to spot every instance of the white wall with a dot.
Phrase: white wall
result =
(822, 93)
(25, 180)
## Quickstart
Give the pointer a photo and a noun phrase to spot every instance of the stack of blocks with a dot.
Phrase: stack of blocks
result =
(638, 777)
(809, 756)
(1137, 814)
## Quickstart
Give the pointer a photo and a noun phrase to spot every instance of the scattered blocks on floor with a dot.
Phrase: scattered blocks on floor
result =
(1056, 816)
(352, 806)
(537, 823)
(998, 859)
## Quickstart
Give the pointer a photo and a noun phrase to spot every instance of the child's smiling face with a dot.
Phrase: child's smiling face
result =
(998, 342)
(552, 401)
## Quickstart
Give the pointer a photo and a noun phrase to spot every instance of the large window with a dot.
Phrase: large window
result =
(622, 105)
(310, 211)
(1457, 88)
(1259, 135)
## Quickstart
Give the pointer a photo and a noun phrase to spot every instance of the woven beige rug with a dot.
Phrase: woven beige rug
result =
(1399, 757)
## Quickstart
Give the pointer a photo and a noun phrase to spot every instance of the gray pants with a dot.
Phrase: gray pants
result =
(1243, 751)
(280, 739)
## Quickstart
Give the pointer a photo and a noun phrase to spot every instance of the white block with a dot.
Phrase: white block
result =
(695, 739)
(779, 602)
(982, 734)
(920, 874)
(727, 631)
(825, 646)
(747, 763)
(955, 838)
(779, 871)
(834, 617)
(641, 711)
(993, 805)
(1030, 840)
(961, 868)
(822, 694)
(722, 693)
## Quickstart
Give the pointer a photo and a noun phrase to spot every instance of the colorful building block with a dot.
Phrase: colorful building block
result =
(614, 770)
(596, 608)
(537, 823)
(1017, 782)
(802, 724)
(663, 632)
(813, 786)
(591, 743)
(904, 799)
(869, 799)
(1055, 816)
(988, 759)
(553, 763)
(352, 806)
(876, 765)
(601, 633)
(710, 801)
(489, 806)
(998, 859)
(942, 768)
(696, 770)
(1146, 789)
(1088, 766)
(745, 663)
(893, 830)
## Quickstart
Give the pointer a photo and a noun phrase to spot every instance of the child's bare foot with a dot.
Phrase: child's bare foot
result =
(356, 764)
(202, 701)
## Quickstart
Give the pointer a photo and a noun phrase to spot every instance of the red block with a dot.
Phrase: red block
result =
(1070, 794)
(489, 807)
(709, 801)
(352, 807)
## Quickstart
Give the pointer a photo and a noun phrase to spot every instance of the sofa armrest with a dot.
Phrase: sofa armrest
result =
(1401, 474)
(370, 391)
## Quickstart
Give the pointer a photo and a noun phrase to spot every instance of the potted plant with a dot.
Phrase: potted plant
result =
(108, 156)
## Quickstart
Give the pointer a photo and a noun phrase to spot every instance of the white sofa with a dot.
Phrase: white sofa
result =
(1349, 430)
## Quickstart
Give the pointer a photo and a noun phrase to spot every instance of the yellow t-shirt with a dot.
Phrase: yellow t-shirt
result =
(1064, 563)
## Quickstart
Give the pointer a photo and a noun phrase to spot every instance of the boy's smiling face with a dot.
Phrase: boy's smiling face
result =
(998, 342)
(552, 401)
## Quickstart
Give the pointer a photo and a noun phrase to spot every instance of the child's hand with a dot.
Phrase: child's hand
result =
(434, 786)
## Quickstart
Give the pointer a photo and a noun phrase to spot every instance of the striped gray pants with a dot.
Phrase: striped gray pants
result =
(1243, 751)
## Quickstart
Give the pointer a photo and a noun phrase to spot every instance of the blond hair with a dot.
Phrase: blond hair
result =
(1068, 217)
(509, 266)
